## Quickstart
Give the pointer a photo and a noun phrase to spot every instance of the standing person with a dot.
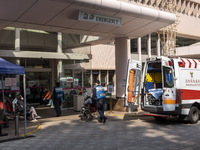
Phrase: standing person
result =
(58, 95)
(99, 95)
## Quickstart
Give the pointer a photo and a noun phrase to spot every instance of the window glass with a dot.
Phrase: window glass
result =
(154, 38)
(181, 41)
(68, 73)
(168, 77)
(36, 83)
(87, 78)
(134, 46)
(95, 75)
(38, 40)
(7, 39)
(77, 78)
(103, 77)
(144, 44)
(111, 74)
(35, 63)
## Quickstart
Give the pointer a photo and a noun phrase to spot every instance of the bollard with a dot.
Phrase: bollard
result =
(16, 125)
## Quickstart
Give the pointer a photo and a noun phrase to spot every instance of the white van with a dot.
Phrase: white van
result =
(167, 87)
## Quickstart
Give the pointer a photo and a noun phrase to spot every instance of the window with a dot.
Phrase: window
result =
(134, 46)
(87, 78)
(103, 77)
(154, 38)
(68, 73)
(35, 63)
(37, 40)
(168, 77)
(77, 78)
(144, 44)
(95, 75)
(111, 74)
(7, 39)
(181, 41)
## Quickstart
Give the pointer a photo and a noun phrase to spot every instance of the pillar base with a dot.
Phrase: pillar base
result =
(118, 104)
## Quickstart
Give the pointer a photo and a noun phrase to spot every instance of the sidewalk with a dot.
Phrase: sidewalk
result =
(48, 115)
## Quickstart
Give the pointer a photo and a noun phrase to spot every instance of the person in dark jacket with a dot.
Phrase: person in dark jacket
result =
(99, 95)
(58, 95)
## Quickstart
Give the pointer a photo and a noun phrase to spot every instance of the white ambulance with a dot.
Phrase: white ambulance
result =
(167, 87)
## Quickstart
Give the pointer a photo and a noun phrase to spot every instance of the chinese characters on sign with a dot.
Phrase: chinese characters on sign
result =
(85, 16)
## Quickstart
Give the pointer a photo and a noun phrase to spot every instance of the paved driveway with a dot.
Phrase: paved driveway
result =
(121, 132)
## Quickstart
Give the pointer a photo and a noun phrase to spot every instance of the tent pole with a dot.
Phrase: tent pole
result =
(24, 87)
(3, 96)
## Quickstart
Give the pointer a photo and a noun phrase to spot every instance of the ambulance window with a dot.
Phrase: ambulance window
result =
(168, 77)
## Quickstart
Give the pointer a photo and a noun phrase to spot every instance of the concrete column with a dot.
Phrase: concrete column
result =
(107, 77)
(59, 50)
(82, 76)
(99, 76)
(91, 78)
(122, 54)
(158, 45)
(17, 39)
(149, 46)
(17, 48)
(59, 46)
(139, 49)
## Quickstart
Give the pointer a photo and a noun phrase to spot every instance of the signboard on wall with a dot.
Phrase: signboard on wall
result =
(76, 82)
(91, 17)
(69, 79)
(110, 88)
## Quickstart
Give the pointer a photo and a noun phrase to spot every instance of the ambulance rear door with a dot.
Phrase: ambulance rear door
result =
(169, 93)
(133, 82)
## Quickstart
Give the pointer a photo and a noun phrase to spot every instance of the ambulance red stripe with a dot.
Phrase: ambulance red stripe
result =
(190, 94)
(189, 63)
(195, 63)
(183, 62)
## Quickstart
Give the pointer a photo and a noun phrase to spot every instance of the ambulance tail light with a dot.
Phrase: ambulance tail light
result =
(178, 96)
(181, 64)
(170, 63)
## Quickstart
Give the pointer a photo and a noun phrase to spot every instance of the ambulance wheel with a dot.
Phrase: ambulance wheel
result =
(193, 115)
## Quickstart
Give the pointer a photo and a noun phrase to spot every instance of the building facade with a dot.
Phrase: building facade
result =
(78, 60)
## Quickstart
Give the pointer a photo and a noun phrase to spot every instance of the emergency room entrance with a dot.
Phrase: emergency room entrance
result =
(38, 78)
(36, 83)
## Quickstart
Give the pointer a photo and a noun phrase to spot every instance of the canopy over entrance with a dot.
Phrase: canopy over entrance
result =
(104, 18)
(7, 67)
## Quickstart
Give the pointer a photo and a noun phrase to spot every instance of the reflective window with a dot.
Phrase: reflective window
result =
(77, 78)
(95, 75)
(87, 78)
(7, 39)
(181, 41)
(35, 63)
(37, 40)
(68, 73)
(111, 74)
(168, 77)
(134, 46)
(36, 83)
(103, 77)
(154, 38)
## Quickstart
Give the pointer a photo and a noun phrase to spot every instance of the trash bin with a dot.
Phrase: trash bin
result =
(78, 102)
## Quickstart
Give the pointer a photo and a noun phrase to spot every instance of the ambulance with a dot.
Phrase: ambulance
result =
(165, 87)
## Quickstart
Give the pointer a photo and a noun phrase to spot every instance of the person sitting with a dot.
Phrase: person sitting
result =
(47, 97)
(33, 113)
(18, 106)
